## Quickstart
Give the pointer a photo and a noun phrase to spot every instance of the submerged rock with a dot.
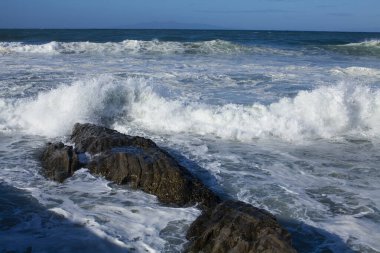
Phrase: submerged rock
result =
(237, 227)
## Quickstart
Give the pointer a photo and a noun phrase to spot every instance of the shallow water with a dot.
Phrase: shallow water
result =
(289, 122)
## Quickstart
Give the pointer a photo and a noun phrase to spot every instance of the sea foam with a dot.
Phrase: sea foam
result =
(53, 113)
(138, 47)
(366, 43)
(325, 112)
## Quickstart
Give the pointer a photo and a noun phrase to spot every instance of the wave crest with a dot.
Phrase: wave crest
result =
(53, 113)
(366, 43)
(137, 47)
(325, 112)
(364, 48)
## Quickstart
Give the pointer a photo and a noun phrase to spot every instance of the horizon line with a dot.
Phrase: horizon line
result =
(192, 29)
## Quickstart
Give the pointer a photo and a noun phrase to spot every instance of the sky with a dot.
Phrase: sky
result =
(305, 15)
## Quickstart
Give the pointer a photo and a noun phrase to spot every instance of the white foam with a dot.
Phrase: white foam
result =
(358, 72)
(366, 43)
(53, 113)
(367, 47)
(326, 112)
(138, 47)
(353, 230)
(130, 46)
(119, 217)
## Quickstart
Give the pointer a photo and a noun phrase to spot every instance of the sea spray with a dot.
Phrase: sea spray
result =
(54, 112)
(325, 112)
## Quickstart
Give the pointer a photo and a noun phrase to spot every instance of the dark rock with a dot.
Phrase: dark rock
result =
(59, 161)
(234, 226)
(126, 159)
(154, 172)
(230, 226)
(95, 139)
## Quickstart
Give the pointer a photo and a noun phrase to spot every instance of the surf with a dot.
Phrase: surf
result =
(325, 112)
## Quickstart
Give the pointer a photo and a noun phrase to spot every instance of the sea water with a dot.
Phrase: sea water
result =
(286, 121)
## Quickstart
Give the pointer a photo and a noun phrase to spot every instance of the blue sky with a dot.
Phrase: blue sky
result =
(325, 15)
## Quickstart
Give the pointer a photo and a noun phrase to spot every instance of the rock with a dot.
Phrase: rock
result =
(59, 161)
(234, 226)
(229, 226)
(131, 160)
(154, 172)
(95, 139)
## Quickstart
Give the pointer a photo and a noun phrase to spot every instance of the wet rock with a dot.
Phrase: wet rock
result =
(96, 139)
(131, 160)
(154, 172)
(234, 226)
(59, 161)
(230, 226)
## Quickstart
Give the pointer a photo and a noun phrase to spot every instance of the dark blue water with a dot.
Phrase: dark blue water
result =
(312, 43)
(260, 37)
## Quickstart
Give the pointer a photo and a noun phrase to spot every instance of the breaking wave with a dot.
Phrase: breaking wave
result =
(136, 47)
(364, 48)
(367, 43)
(325, 112)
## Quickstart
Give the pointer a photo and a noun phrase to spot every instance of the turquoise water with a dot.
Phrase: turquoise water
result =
(286, 121)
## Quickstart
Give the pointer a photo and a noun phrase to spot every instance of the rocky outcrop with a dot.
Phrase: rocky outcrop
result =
(229, 226)
(125, 159)
(96, 139)
(153, 172)
(59, 161)
(237, 227)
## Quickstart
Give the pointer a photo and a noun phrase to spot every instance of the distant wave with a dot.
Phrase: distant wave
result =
(137, 47)
(367, 73)
(364, 48)
(325, 112)
(367, 43)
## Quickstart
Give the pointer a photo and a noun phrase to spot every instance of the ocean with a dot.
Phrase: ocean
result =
(285, 121)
